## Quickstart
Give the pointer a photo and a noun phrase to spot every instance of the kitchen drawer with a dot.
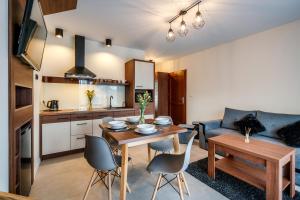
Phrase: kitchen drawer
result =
(123, 113)
(55, 118)
(80, 117)
(82, 127)
(77, 141)
(100, 115)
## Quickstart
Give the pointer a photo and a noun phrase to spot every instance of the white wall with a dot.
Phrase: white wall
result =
(4, 94)
(260, 71)
(106, 63)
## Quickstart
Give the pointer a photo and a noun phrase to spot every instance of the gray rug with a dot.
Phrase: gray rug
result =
(228, 185)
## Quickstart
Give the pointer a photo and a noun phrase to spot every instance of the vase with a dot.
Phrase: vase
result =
(142, 116)
(247, 135)
(90, 105)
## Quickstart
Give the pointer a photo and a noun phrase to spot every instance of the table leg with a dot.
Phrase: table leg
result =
(211, 160)
(292, 176)
(149, 152)
(176, 144)
(273, 181)
(124, 169)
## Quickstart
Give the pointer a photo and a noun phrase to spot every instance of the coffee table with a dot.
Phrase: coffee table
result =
(267, 166)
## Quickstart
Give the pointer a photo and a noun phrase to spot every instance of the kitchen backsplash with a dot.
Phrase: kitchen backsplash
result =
(73, 96)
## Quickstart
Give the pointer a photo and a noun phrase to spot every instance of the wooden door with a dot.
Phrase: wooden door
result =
(162, 94)
(177, 95)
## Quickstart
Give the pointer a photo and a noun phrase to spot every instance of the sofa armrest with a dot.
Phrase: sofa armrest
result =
(205, 126)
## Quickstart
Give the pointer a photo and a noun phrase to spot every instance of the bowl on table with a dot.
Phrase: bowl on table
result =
(133, 119)
(117, 124)
(146, 128)
(162, 120)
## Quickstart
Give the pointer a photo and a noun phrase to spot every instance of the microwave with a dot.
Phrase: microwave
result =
(137, 92)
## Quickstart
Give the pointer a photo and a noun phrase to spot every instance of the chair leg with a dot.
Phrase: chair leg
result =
(156, 186)
(128, 188)
(109, 186)
(155, 153)
(89, 186)
(185, 183)
(180, 187)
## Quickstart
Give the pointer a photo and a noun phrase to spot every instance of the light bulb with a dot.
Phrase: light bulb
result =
(183, 29)
(170, 35)
(198, 21)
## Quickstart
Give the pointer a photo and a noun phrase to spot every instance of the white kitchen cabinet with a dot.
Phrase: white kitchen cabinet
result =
(56, 137)
(97, 131)
(83, 127)
(144, 75)
(77, 141)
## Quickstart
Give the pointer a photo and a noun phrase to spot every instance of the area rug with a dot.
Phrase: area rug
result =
(228, 185)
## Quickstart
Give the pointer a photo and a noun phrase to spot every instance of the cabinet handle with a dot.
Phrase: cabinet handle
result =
(61, 118)
(82, 124)
(81, 117)
(80, 138)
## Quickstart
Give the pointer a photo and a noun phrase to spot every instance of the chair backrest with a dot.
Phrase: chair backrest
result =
(98, 153)
(187, 153)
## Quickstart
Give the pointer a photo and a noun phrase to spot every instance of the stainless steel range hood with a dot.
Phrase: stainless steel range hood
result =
(79, 71)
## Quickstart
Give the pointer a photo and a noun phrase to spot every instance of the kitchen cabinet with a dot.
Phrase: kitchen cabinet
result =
(83, 127)
(144, 75)
(77, 141)
(56, 138)
(97, 131)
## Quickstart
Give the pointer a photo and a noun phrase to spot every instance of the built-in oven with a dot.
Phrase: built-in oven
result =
(137, 92)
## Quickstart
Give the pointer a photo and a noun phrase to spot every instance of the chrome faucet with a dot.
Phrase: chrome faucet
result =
(110, 98)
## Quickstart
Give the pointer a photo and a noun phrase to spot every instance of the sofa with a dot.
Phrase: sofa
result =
(272, 122)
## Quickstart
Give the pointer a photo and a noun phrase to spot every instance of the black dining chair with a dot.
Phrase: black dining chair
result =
(172, 164)
(99, 156)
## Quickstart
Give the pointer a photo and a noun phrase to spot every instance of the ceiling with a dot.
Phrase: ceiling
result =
(142, 24)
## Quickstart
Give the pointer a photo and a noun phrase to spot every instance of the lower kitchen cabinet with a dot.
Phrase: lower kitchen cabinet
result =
(97, 131)
(77, 141)
(56, 138)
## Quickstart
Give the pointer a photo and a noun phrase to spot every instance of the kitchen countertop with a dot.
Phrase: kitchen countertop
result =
(77, 111)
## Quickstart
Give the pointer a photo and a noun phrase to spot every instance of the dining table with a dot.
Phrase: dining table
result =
(128, 137)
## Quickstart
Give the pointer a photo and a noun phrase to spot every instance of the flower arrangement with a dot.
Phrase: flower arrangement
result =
(90, 95)
(143, 100)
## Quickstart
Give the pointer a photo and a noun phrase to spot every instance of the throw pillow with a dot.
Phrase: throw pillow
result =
(290, 134)
(249, 121)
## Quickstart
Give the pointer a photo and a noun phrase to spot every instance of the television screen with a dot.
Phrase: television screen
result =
(33, 35)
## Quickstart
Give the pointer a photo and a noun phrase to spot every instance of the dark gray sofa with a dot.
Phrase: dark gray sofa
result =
(272, 122)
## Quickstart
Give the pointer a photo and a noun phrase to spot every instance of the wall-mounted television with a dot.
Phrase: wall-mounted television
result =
(33, 35)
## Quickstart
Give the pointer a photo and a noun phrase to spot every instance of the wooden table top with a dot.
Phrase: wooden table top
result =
(9, 196)
(258, 148)
(130, 136)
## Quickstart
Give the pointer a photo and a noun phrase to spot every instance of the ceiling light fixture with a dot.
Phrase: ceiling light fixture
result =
(108, 42)
(170, 34)
(59, 33)
(183, 30)
(198, 21)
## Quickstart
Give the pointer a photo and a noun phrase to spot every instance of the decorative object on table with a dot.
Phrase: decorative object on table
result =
(249, 125)
(227, 185)
(290, 134)
(143, 101)
(90, 94)
(145, 129)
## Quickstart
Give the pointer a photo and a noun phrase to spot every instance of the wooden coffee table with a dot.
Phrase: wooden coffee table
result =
(269, 167)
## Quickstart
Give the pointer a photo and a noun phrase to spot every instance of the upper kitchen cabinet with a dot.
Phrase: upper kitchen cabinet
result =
(144, 75)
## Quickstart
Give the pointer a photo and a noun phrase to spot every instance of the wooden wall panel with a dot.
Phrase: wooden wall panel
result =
(56, 6)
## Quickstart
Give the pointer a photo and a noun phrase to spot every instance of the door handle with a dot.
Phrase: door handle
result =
(80, 138)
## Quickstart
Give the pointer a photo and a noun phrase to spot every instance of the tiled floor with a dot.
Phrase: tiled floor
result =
(66, 178)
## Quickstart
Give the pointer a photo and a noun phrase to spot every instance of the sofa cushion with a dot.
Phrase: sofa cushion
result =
(219, 131)
(233, 115)
(249, 123)
(290, 134)
(280, 142)
(275, 121)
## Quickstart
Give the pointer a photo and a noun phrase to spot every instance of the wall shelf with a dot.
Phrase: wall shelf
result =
(53, 79)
